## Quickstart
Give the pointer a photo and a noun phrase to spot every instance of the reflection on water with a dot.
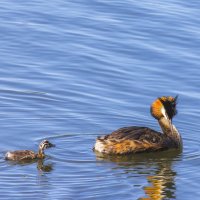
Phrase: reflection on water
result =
(40, 163)
(158, 171)
(44, 167)
(162, 184)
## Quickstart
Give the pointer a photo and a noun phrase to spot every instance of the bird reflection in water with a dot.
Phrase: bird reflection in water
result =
(162, 185)
(41, 166)
(161, 180)
(44, 167)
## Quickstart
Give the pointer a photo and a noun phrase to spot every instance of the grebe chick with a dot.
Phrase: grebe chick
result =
(142, 139)
(21, 155)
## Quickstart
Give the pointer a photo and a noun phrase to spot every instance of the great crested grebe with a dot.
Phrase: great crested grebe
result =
(142, 139)
(21, 155)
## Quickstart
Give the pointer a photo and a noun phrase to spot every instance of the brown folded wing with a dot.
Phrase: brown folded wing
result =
(133, 139)
(21, 155)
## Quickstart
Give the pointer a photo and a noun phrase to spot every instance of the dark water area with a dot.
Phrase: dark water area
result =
(73, 70)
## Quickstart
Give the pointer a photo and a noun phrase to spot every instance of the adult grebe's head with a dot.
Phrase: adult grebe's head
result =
(164, 106)
(45, 144)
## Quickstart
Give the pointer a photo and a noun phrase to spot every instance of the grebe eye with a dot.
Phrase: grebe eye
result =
(173, 104)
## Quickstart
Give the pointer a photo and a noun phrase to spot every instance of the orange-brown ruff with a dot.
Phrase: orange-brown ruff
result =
(21, 155)
(140, 139)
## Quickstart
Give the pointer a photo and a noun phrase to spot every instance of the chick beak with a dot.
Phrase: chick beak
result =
(51, 145)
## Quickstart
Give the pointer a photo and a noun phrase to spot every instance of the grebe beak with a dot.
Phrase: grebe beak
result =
(170, 124)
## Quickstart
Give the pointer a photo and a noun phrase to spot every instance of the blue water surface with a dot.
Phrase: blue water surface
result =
(73, 70)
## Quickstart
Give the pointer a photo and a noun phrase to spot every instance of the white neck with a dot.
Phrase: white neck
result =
(173, 134)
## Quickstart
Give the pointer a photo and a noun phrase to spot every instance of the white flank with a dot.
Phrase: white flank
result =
(99, 146)
(8, 155)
